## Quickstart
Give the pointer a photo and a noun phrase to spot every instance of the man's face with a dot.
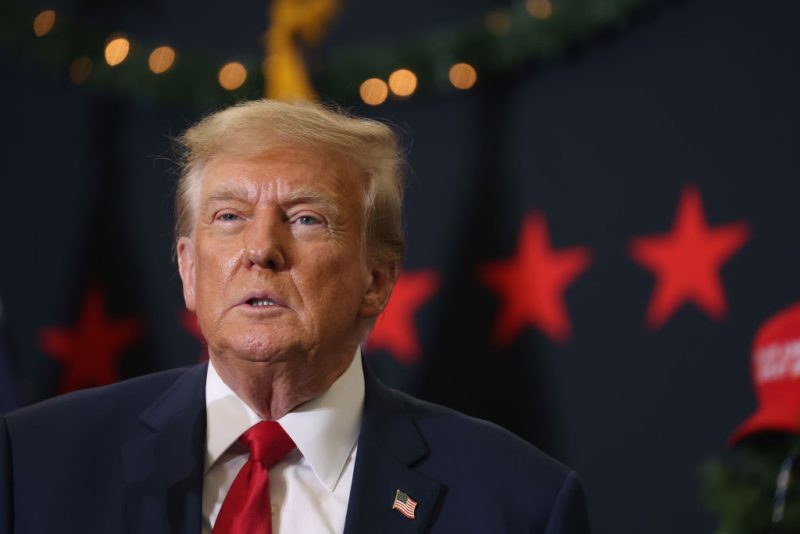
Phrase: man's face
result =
(276, 270)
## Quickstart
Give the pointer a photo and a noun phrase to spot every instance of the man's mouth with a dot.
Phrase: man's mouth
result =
(259, 303)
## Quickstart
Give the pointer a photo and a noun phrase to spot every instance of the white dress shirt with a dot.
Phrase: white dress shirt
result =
(309, 489)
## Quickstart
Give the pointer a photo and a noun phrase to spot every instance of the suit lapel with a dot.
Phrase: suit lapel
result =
(164, 462)
(388, 446)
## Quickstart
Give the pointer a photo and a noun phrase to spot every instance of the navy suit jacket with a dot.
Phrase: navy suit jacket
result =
(129, 458)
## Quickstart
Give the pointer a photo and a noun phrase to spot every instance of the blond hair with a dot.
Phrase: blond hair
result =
(251, 128)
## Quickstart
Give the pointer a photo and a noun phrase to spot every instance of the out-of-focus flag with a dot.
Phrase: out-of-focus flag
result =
(8, 384)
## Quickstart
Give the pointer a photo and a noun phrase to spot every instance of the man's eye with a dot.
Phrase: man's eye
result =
(227, 217)
(307, 220)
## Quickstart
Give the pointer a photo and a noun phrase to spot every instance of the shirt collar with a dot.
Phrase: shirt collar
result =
(325, 429)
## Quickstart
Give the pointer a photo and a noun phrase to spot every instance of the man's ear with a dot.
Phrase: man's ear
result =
(186, 256)
(382, 279)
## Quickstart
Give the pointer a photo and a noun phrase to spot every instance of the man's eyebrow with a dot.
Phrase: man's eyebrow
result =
(309, 196)
(223, 194)
(313, 197)
(293, 198)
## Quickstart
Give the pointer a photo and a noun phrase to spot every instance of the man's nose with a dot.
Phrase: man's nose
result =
(266, 240)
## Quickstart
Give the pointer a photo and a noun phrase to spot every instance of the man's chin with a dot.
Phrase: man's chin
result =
(256, 350)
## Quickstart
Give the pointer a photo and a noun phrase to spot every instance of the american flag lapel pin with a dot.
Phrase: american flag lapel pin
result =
(404, 504)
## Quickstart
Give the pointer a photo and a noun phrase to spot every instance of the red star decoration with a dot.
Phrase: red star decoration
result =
(190, 324)
(533, 282)
(90, 350)
(687, 260)
(394, 330)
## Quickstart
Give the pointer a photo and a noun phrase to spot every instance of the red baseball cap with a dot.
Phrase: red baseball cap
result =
(775, 366)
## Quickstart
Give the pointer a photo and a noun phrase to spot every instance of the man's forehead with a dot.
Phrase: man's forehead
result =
(241, 175)
(290, 173)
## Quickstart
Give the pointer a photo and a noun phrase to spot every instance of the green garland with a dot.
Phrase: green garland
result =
(492, 54)
(741, 492)
(191, 82)
(519, 40)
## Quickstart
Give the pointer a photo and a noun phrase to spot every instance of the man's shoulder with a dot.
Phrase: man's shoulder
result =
(95, 405)
(485, 467)
(465, 440)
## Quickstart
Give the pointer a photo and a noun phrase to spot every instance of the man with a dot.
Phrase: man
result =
(289, 241)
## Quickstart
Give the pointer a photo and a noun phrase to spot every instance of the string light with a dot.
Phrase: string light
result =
(232, 75)
(539, 9)
(374, 91)
(498, 22)
(44, 22)
(463, 75)
(161, 59)
(80, 69)
(117, 50)
(403, 82)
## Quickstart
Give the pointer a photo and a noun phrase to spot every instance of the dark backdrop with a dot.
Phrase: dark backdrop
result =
(593, 150)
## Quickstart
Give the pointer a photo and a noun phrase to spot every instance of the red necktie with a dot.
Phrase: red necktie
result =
(246, 508)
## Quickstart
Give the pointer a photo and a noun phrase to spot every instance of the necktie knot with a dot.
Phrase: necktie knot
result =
(267, 442)
(246, 508)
